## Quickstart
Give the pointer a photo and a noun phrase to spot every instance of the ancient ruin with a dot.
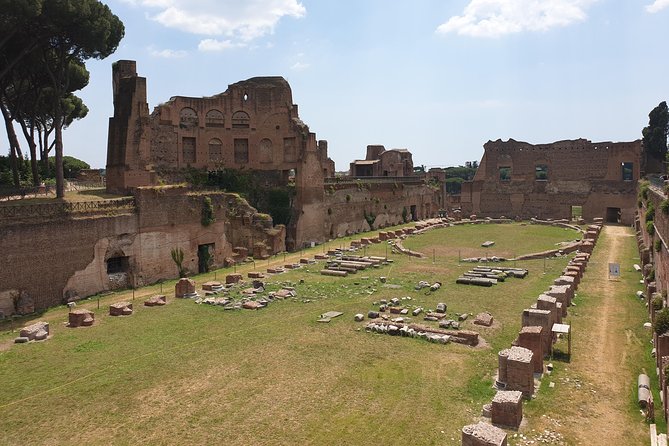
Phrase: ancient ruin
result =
(517, 179)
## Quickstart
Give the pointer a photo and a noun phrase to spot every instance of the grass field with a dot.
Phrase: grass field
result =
(196, 374)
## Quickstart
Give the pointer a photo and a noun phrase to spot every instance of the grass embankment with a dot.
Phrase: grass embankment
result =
(197, 374)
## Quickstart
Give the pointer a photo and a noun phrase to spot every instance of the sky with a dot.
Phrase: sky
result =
(439, 78)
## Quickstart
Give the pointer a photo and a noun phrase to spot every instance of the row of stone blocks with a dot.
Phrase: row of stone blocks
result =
(518, 364)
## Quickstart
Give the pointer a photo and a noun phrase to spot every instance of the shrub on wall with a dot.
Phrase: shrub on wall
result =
(661, 324)
(650, 212)
(207, 212)
(650, 228)
(658, 245)
(657, 302)
(643, 189)
(370, 219)
(664, 206)
(348, 197)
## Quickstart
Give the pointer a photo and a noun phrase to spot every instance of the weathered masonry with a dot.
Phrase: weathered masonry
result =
(253, 125)
(518, 179)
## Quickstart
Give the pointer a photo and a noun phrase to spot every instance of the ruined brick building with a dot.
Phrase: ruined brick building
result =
(517, 179)
(254, 126)
(380, 162)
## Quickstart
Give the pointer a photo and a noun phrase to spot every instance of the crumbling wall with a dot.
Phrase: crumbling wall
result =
(349, 208)
(67, 258)
(545, 180)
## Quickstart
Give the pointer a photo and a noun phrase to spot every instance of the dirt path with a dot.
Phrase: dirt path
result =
(598, 378)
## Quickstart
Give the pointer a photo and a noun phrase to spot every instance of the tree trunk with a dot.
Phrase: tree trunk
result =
(13, 146)
(60, 180)
(30, 139)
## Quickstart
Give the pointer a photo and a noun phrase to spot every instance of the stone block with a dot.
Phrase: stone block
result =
(38, 331)
(564, 294)
(212, 286)
(155, 301)
(255, 275)
(120, 309)
(484, 319)
(516, 370)
(483, 434)
(233, 278)
(545, 302)
(80, 318)
(185, 288)
(507, 408)
(540, 318)
(531, 339)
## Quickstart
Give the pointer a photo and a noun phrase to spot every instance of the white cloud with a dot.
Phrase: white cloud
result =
(300, 66)
(494, 18)
(657, 6)
(217, 45)
(168, 54)
(243, 20)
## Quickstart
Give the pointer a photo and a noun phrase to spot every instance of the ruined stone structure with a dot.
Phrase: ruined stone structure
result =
(50, 260)
(254, 126)
(380, 162)
(548, 180)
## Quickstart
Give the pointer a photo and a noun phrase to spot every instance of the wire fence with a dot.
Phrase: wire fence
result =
(64, 209)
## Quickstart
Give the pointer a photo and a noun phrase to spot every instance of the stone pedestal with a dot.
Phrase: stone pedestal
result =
(156, 301)
(507, 408)
(540, 318)
(233, 278)
(120, 309)
(530, 338)
(549, 303)
(185, 288)
(212, 286)
(482, 434)
(81, 318)
(517, 370)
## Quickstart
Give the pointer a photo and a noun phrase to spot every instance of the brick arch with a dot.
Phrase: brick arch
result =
(188, 118)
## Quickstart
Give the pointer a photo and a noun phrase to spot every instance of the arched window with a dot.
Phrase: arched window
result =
(187, 118)
(240, 120)
(214, 118)
(215, 150)
(265, 151)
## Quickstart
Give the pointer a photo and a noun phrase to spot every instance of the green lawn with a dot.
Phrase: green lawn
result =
(196, 374)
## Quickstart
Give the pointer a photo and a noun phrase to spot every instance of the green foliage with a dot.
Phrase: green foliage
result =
(650, 228)
(178, 258)
(650, 212)
(664, 206)
(262, 191)
(370, 218)
(661, 324)
(657, 302)
(348, 198)
(644, 186)
(655, 134)
(196, 177)
(651, 275)
(658, 245)
(208, 216)
(71, 168)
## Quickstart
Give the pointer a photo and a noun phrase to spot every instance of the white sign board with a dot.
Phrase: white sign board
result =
(614, 269)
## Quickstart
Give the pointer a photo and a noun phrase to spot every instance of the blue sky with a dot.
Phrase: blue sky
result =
(437, 77)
